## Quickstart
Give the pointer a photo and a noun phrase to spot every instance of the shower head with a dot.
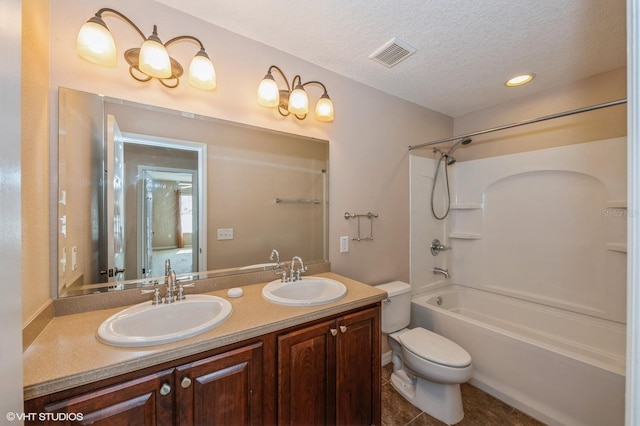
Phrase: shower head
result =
(456, 144)
(450, 159)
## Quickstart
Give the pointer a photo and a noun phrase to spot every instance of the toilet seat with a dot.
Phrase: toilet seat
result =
(434, 348)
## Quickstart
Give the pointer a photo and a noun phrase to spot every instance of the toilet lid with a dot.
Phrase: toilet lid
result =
(435, 348)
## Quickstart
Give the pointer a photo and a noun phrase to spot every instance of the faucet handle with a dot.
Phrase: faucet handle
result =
(181, 287)
(157, 299)
(436, 247)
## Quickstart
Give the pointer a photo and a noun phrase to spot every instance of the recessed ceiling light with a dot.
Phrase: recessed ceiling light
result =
(520, 80)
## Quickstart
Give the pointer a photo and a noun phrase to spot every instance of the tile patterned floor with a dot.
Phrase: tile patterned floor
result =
(480, 409)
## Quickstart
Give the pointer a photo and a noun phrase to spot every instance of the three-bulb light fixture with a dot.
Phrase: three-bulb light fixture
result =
(151, 60)
(293, 99)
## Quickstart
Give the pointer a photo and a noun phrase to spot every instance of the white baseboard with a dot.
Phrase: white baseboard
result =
(386, 358)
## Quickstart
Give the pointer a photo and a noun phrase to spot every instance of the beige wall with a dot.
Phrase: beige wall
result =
(368, 139)
(35, 159)
(585, 127)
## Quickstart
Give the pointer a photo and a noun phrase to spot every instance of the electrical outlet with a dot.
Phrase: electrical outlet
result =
(344, 244)
(225, 234)
(74, 258)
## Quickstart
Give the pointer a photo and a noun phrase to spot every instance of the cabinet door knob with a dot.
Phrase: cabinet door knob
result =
(343, 328)
(185, 383)
(334, 332)
(165, 389)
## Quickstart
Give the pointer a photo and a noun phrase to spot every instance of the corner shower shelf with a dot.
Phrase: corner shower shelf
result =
(468, 206)
(619, 247)
(465, 235)
(617, 204)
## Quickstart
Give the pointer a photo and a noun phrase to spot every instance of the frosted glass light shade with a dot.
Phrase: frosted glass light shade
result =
(268, 92)
(202, 75)
(324, 109)
(154, 59)
(298, 101)
(95, 43)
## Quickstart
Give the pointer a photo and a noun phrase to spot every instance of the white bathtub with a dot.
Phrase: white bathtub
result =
(560, 367)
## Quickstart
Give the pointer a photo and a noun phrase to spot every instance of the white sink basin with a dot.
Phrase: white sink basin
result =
(145, 324)
(308, 291)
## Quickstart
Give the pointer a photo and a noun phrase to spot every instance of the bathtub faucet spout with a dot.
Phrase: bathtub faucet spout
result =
(441, 271)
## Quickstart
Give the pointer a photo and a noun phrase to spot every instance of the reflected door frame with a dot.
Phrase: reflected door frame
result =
(199, 186)
(147, 218)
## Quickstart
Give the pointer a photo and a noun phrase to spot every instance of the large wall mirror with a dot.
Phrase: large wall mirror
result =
(139, 185)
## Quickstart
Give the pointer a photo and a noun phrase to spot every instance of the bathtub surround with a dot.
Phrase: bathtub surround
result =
(548, 228)
(558, 367)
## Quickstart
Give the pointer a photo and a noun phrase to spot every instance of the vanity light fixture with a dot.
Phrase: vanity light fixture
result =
(293, 99)
(151, 60)
(520, 80)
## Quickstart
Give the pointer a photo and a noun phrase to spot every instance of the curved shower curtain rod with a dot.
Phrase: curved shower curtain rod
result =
(522, 123)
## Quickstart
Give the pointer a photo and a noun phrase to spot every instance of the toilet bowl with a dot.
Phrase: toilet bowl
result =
(427, 368)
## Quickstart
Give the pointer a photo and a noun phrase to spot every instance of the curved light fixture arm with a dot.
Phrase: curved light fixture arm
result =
(99, 13)
(318, 83)
(282, 74)
(184, 37)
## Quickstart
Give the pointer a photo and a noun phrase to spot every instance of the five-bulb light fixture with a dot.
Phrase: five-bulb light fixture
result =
(151, 60)
(294, 99)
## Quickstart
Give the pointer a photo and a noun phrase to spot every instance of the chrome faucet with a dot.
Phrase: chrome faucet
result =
(276, 269)
(441, 271)
(295, 276)
(167, 267)
(172, 288)
(275, 256)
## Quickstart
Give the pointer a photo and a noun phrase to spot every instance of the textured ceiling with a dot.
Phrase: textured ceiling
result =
(466, 49)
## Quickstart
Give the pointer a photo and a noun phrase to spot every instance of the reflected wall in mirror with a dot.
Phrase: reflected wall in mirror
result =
(139, 184)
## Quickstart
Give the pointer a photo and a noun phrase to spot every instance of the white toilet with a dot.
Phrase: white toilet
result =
(427, 368)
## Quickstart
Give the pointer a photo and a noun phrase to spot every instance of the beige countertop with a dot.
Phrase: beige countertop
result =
(68, 354)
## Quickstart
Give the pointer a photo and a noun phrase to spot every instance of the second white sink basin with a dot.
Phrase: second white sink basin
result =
(145, 324)
(308, 291)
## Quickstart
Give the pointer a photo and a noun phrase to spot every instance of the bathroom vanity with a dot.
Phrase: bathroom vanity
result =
(266, 363)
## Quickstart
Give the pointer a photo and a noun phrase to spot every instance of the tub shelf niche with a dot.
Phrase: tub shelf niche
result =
(467, 216)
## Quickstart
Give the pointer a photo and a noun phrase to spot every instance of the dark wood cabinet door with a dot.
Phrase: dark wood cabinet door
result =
(224, 389)
(306, 375)
(358, 373)
(144, 401)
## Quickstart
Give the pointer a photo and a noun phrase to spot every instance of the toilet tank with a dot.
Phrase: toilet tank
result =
(396, 310)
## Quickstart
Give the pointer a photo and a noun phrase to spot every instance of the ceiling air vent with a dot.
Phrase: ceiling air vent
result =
(392, 52)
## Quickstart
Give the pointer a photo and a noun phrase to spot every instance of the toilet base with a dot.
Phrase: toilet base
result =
(440, 401)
